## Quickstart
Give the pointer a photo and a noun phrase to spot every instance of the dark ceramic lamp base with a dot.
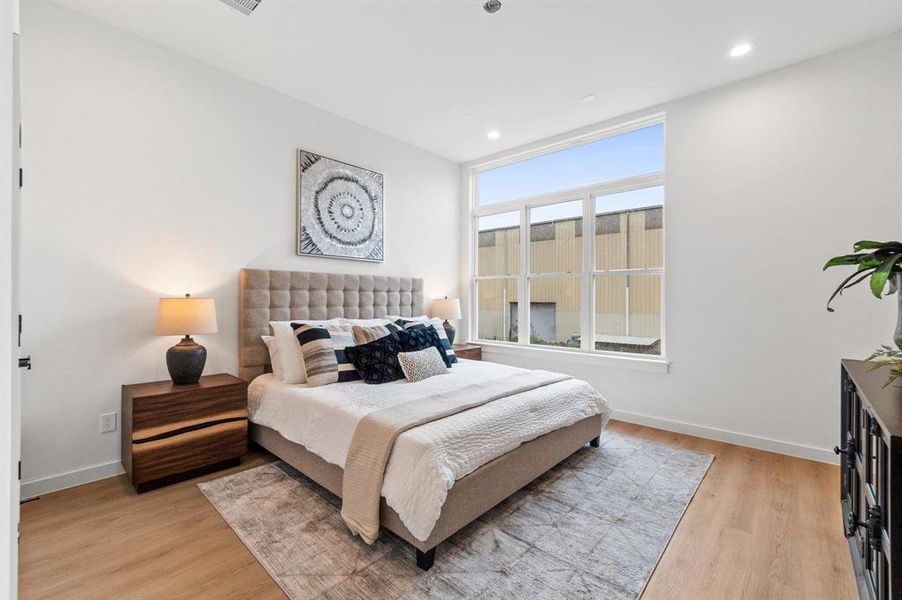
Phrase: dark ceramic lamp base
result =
(186, 361)
(449, 331)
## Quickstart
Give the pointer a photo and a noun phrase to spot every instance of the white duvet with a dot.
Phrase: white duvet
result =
(427, 460)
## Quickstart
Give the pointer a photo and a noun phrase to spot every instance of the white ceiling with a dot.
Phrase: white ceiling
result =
(440, 74)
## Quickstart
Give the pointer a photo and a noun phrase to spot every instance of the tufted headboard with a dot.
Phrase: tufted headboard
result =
(287, 295)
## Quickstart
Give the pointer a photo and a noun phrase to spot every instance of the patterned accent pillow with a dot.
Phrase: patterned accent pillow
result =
(435, 324)
(377, 361)
(420, 336)
(365, 335)
(320, 364)
(422, 364)
(335, 338)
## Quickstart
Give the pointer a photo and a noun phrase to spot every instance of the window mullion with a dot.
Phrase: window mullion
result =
(636, 271)
(523, 285)
(606, 188)
(474, 274)
(554, 275)
(587, 322)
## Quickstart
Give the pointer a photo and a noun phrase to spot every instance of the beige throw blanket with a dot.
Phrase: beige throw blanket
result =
(376, 433)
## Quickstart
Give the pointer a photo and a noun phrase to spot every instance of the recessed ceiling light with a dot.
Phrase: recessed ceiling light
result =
(493, 134)
(741, 49)
(587, 98)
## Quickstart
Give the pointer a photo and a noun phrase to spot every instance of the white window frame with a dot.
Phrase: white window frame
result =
(587, 195)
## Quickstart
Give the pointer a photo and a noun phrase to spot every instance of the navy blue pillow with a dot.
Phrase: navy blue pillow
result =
(377, 361)
(420, 337)
(442, 336)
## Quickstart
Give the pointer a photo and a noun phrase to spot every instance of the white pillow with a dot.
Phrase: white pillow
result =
(365, 322)
(290, 356)
(394, 318)
(273, 348)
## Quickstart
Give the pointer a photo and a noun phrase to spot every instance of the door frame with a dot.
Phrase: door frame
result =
(9, 352)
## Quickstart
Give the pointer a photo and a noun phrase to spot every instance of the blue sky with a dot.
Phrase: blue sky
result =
(626, 155)
(633, 153)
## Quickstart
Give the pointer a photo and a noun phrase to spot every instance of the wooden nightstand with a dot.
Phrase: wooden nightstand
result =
(171, 432)
(468, 351)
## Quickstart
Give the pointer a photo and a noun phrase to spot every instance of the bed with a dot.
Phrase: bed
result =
(519, 437)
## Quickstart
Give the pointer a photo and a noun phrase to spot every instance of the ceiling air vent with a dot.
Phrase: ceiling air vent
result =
(244, 6)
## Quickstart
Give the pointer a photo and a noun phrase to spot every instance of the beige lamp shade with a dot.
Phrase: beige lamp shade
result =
(446, 308)
(184, 316)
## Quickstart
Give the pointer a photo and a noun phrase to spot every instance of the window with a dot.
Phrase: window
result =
(497, 268)
(601, 292)
(629, 265)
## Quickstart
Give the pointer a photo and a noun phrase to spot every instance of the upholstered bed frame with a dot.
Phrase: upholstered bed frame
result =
(286, 295)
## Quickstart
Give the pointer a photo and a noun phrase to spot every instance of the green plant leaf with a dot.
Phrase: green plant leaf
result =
(848, 259)
(882, 273)
(871, 245)
(869, 262)
(866, 245)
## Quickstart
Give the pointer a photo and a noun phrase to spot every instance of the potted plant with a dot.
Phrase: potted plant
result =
(881, 262)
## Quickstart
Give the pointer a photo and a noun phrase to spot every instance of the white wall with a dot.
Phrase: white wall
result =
(150, 174)
(766, 179)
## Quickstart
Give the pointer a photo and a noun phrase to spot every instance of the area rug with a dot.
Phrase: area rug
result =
(595, 526)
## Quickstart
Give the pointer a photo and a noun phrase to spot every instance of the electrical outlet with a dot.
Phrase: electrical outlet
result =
(107, 422)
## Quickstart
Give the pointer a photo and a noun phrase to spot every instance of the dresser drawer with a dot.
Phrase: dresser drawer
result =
(162, 457)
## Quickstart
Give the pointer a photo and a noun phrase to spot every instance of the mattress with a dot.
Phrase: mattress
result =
(427, 460)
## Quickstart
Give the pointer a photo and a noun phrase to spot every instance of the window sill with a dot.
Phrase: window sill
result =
(648, 365)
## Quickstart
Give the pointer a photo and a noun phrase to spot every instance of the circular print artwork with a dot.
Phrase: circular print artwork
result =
(339, 209)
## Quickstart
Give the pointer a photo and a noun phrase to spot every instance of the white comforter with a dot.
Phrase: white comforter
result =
(426, 460)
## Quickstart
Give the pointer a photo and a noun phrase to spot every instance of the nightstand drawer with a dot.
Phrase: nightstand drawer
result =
(155, 411)
(192, 449)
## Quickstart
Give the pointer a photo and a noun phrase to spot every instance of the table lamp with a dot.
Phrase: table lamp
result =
(447, 308)
(184, 316)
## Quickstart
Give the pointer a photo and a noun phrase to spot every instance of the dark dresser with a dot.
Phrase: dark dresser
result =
(871, 481)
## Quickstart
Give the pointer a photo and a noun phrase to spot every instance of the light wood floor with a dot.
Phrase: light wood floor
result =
(762, 526)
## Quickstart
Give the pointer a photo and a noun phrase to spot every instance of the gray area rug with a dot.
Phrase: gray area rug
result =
(595, 526)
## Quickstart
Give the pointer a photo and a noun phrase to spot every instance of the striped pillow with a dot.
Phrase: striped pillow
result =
(327, 367)
(365, 335)
(439, 329)
(320, 364)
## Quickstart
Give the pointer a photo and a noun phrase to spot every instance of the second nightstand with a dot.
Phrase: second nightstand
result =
(468, 351)
(172, 431)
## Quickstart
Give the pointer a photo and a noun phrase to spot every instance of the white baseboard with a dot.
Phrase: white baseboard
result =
(54, 483)
(731, 437)
(61, 481)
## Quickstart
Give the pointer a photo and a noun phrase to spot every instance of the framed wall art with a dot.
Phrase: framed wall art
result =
(340, 209)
